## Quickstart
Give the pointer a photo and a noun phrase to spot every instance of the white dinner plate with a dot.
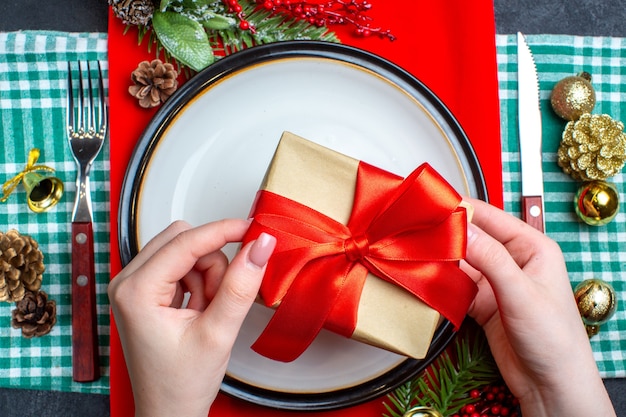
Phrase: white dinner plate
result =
(204, 154)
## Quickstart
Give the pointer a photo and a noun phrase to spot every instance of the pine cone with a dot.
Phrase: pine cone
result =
(34, 314)
(133, 12)
(154, 82)
(592, 148)
(21, 266)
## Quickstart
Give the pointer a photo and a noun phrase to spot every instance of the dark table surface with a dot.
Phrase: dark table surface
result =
(587, 17)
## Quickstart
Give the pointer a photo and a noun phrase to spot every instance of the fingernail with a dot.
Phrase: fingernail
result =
(471, 233)
(262, 249)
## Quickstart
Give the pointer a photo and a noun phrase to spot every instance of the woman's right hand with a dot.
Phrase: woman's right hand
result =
(527, 309)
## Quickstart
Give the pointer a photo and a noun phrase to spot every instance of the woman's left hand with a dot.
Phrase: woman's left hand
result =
(177, 357)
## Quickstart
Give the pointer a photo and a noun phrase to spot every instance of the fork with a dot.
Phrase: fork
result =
(87, 126)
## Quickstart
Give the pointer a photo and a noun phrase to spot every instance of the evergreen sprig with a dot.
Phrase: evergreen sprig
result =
(446, 384)
(268, 28)
(197, 32)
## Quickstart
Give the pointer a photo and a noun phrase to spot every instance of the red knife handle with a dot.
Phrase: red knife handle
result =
(532, 212)
(85, 359)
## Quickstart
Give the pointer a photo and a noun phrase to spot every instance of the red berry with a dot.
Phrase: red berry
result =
(323, 13)
(470, 408)
(474, 393)
(244, 25)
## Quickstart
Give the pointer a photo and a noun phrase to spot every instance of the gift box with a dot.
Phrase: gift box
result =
(360, 251)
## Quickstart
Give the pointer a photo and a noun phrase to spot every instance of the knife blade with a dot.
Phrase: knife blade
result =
(529, 120)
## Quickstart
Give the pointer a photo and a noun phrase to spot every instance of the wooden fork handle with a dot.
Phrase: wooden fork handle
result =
(85, 359)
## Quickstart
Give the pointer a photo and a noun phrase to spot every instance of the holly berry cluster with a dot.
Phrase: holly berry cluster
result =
(318, 13)
(491, 401)
(235, 8)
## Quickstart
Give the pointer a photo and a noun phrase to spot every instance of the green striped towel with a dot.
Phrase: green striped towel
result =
(33, 71)
(590, 252)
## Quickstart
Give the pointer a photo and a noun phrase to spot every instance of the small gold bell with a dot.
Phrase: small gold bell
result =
(422, 411)
(42, 191)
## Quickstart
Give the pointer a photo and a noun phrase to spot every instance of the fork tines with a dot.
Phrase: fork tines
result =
(89, 115)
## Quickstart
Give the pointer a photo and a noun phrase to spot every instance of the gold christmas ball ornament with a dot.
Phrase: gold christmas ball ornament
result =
(422, 411)
(597, 202)
(596, 301)
(573, 96)
(592, 148)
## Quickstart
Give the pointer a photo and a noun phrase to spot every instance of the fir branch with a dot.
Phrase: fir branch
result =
(269, 28)
(403, 398)
(446, 384)
(223, 31)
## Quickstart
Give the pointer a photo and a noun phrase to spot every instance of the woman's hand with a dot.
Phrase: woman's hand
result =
(526, 306)
(177, 357)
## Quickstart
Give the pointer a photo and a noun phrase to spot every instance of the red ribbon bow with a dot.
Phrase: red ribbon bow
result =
(409, 232)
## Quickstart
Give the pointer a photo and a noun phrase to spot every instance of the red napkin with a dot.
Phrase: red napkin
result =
(450, 46)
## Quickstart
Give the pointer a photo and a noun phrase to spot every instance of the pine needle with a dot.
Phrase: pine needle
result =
(446, 384)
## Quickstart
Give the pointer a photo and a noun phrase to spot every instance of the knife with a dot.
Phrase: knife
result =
(529, 119)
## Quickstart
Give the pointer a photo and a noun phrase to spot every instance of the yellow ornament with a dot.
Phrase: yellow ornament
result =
(573, 96)
(597, 202)
(596, 302)
(43, 191)
(592, 148)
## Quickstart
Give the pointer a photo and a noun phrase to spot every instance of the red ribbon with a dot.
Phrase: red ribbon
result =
(409, 232)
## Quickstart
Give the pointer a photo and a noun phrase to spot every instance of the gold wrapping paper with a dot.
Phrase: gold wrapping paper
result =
(388, 317)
